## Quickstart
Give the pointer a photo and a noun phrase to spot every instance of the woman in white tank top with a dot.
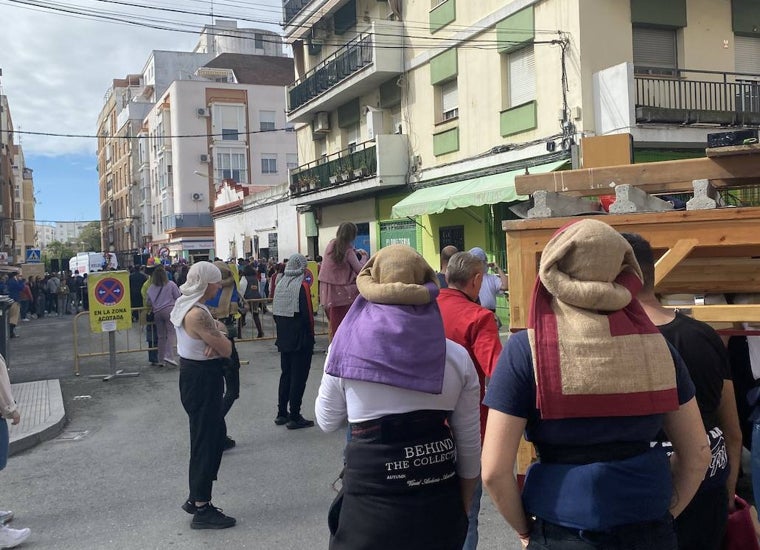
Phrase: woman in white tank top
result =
(202, 345)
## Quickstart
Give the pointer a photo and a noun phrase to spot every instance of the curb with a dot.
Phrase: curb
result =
(46, 429)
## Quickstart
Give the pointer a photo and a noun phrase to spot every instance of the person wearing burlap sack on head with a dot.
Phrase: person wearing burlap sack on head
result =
(410, 397)
(591, 383)
(9, 538)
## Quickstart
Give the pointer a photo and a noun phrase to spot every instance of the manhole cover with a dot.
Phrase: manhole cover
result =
(72, 435)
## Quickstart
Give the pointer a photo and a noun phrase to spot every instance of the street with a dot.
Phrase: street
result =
(116, 476)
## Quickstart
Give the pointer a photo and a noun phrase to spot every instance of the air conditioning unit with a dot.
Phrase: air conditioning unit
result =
(322, 123)
(202, 111)
(197, 197)
(204, 158)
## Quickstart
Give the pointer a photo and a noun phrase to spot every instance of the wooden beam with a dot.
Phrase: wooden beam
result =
(665, 176)
(672, 258)
(725, 314)
(751, 149)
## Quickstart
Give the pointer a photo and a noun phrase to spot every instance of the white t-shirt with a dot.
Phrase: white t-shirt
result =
(342, 400)
(490, 289)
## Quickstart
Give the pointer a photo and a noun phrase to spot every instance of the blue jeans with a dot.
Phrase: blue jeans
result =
(471, 542)
(3, 443)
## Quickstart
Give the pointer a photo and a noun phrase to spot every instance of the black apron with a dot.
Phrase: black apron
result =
(400, 488)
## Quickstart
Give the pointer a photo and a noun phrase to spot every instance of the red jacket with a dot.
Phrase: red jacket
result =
(473, 327)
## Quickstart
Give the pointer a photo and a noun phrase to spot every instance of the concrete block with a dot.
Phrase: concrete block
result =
(704, 196)
(547, 204)
(629, 198)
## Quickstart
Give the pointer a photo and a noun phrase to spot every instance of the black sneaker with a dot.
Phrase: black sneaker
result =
(281, 420)
(189, 506)
(211, 517)
(228, 443)
(299, 423)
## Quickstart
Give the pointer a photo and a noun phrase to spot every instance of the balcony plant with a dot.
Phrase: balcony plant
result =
(361, 171)
(307, 183)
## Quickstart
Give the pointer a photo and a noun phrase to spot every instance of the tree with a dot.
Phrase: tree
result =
(89, 238)
(57, 250)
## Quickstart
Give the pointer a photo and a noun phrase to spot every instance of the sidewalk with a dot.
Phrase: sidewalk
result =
(42, 415)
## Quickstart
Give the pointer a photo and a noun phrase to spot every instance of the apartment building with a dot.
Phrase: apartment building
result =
(130, 127)
(471, 94)
(7, 152)
(23, 207)
(44, 235)
(234, 106)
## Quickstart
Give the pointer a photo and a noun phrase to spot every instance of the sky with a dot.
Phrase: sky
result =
(57, 64)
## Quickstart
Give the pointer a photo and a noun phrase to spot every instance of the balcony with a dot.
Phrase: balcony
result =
(182, 221)
(680, 108)
(299, 16)
(355, 69)
(359, 170)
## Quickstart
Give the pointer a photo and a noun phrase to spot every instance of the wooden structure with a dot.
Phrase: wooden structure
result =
(700, 251)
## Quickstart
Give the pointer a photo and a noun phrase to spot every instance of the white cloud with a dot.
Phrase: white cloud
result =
(56, 69)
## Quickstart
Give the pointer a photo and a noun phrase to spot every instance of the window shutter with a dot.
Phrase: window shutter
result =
(522, 76)
(654, 47)
(449, 96)
(747, 54)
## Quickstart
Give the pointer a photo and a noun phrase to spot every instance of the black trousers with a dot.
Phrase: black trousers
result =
(702, 524)
(231, 371)
(201, 384)
(295, 367)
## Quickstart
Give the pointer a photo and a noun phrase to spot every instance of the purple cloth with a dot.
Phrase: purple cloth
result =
(397, 345)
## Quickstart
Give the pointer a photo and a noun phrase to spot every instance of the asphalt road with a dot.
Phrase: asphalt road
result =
(116, 476)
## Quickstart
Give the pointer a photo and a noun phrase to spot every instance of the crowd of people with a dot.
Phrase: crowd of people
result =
(630, 406)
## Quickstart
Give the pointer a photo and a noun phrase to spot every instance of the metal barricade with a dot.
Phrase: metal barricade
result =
(249, 331)
(88, 344)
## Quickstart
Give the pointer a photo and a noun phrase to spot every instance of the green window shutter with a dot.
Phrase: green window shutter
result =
(519, 119)
(444, 67)
(310, 223)
(446, 142)
(348, 113)
(443, 14)
(745, 17)
(516, 31)
(671, 13)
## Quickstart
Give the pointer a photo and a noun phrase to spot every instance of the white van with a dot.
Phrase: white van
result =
(89, 262)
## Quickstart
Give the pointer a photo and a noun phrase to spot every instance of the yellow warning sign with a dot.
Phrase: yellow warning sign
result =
(110, 305)
(311, 276)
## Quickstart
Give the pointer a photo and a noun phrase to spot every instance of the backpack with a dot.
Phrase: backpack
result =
(63, 289)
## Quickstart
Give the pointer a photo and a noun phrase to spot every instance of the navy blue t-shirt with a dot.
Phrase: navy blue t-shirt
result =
(594, 496)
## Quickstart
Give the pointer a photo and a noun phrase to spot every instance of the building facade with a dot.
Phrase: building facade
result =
(150, 191)
(475, 93)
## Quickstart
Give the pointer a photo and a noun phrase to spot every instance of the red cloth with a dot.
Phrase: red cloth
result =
(740, 531)
(474, 328)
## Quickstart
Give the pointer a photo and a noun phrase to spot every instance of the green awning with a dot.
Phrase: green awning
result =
(462, 194)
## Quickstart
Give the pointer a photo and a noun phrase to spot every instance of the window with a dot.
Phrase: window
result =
(521, 76)
(449, 92)
(291, 160)
(352, 136)
(228, 122)
(266, 121)
(654, 51)
(230, 165)
(258, 41)
(747, 56)
(268, 164)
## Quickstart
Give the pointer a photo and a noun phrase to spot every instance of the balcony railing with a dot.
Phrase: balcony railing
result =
(179, 221)
(690, 97)
(291, 8)
(355, 55)
(346, 166)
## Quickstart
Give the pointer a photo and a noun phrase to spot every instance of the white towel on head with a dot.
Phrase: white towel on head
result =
(198, 278)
